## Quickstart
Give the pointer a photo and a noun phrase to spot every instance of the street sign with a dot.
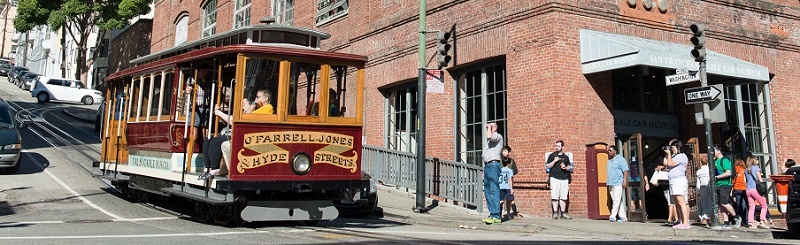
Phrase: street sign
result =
(691, 76)
(434, 80)
(716, 109)
(701, 94)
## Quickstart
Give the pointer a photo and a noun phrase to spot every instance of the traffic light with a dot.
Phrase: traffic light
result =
(699, 41)
(443, 48)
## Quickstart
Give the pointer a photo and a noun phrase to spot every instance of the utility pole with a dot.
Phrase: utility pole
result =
(5, 24)
(25, 50)
(421, 90)
(699, 54)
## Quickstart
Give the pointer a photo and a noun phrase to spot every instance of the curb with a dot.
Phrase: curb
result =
(77, 117)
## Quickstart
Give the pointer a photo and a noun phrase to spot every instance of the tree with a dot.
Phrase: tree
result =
(79, 18)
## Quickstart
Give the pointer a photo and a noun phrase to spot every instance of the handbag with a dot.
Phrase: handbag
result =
(761, 187)
(659, 175)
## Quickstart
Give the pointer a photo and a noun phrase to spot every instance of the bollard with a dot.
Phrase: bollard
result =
(782, 188)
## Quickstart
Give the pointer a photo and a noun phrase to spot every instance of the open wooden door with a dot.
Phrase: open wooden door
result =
(636, 186)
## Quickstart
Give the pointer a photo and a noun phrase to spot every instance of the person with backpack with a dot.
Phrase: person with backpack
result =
(754, 178)
(739, 194)
(724, 186)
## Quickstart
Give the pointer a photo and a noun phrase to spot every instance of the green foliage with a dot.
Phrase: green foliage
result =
(81, 14)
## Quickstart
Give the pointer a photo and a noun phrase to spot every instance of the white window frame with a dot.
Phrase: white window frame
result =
(283, 10)
(401, 131)
(182, 26)
(243, 10)
(324, 7)
(210, 10)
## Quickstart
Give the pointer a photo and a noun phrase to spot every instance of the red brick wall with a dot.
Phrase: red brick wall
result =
(539, 41)
(130, 44)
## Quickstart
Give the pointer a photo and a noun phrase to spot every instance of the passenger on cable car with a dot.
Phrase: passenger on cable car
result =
(218, 148)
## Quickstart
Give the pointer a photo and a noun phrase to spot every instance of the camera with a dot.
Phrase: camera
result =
(665, 148)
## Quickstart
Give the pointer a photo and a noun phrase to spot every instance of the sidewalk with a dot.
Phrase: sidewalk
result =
(397, 204)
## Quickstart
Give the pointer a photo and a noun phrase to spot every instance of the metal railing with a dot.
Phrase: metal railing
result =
(447, 179)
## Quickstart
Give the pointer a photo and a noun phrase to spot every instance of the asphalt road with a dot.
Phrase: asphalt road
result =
(55, 199)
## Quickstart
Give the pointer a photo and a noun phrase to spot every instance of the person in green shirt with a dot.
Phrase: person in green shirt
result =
(723, 176)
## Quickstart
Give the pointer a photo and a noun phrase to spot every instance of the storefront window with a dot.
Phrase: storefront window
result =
(642, 89)
(401, 118)
(481, 100)
(747, 130)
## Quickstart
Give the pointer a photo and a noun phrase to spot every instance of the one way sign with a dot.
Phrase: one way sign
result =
(702, 94)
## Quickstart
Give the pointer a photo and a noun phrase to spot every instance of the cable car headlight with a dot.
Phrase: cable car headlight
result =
(301, 163)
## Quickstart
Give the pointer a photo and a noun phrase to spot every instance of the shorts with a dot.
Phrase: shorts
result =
(505, 194)
(724, 194)
(679, 186)
(201, 117)
(559, 189)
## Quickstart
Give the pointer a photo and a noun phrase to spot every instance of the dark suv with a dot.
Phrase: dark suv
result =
(10, 140)
(5, 69)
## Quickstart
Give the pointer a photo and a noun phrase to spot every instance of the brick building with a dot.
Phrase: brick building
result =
(580, 71)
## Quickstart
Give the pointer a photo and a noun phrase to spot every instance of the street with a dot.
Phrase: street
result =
(55, 199)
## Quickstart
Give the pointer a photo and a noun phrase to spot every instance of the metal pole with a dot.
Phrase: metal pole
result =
(5, 24)
(25, 51)
(420, 205)
(710, 150)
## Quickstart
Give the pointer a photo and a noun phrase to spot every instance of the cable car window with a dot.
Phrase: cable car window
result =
(156, 97)
(304, 89)
(182, 100)
(169, 82)
(260, 86)
(134, 100)
(342, 92)
(145, 99)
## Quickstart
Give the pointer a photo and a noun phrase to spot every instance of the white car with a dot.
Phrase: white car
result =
(50, 88)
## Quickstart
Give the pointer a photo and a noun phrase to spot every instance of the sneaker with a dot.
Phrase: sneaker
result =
(496, 221)
(622, 220)
(737, 222)
(612, 219)
(726, 226)
(488, 220)
(565, 216)
(555, 216)
(761, 226)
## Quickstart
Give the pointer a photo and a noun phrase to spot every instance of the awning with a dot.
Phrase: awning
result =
(602, 51)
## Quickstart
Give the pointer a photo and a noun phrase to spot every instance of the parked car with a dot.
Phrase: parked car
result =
(14, 71)
(49, 88)
(367, 201)
(793, 204)
(18, 77)
(10, 140)
(5, 69)
(27, 80)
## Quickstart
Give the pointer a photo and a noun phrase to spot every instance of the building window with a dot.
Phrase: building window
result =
(283, 10)
(747, 129)
(210, 18)
(481, 100)
(181, 30)
(642, 89)
(241, 14)
(328, 10)
(401, 118)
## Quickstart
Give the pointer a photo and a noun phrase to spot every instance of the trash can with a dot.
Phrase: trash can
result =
(781, 182)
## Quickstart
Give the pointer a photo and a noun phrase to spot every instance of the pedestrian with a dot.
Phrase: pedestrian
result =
(676, 162)
(789, 163)
(753, 175)
(672, 219)
(491, 172)
(739, 194)
(506, 190)
(508, 161)
(560, 169)
(617, 181)
(724, 186)
(704, 207)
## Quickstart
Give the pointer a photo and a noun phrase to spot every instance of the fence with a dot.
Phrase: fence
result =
(447, 179)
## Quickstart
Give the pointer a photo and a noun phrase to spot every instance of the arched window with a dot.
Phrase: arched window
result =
(181, 29)
(210, 18)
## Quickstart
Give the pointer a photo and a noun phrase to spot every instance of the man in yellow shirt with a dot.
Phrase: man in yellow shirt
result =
(261, 105)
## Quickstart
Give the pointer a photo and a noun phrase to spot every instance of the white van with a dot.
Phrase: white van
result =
(50, 88)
